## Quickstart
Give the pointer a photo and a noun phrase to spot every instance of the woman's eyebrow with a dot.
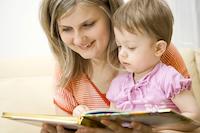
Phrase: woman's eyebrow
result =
(87, 21)
(80, 24)
(62, 26)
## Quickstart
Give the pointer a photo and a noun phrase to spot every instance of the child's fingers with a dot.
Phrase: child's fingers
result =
(80, 110)
(83, 109)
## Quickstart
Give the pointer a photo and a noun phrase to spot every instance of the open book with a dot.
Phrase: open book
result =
(161, 119)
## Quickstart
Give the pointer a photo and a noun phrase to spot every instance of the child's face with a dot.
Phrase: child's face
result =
(136, 52)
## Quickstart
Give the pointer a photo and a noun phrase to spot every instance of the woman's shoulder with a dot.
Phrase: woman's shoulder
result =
(173, 58)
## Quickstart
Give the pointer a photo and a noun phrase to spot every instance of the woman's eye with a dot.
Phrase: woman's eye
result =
(89, 24)
(66, 29)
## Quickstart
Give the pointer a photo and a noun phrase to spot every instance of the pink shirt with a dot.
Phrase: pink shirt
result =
(154, 91)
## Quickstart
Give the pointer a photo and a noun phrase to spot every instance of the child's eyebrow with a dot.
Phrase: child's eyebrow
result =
(126, 42)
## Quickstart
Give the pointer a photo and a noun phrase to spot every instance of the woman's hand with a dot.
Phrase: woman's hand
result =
(116, 128)
(93, 130)
(170, 131)
(47, 128)
(135, 127)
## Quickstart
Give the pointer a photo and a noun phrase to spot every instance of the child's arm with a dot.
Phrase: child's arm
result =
(80, 109)
(187, 104)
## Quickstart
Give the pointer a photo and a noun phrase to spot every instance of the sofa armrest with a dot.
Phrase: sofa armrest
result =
(188, 55)
(26, 86)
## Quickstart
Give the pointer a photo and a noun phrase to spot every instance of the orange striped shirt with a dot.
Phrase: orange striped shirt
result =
(173, 58)
(83, 91)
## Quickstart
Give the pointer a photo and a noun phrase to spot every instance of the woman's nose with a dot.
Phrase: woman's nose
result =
(79, 39)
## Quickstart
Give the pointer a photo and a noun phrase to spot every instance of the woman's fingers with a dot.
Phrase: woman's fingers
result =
(61, 129)
(47, 128)
(43, 131)
(116, 128)
(136, 127)
(141, 128)
(93, 130)
(111, 125)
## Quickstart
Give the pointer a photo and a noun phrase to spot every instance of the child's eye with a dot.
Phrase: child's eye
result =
(119, 47)
(131, 48)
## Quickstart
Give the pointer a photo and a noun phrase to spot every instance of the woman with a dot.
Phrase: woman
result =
(79, 33)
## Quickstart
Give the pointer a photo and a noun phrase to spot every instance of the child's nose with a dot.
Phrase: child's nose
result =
(123, 53)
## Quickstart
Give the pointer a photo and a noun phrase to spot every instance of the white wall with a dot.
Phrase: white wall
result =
(20, 30)
(21, 34)
(186, 22)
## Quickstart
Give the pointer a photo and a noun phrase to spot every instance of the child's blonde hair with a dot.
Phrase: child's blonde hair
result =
(71, 63)
(151, 17)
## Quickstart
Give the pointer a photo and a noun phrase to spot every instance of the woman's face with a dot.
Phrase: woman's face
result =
(86, 30)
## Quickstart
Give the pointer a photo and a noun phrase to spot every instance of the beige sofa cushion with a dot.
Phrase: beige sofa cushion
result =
(188, 55)
(26, 66)
(28, 95)
(26, 85)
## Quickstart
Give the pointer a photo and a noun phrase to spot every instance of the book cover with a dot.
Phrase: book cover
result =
(161, 119)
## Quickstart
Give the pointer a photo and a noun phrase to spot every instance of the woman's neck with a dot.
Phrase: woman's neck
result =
(101, 60)
(102, 75)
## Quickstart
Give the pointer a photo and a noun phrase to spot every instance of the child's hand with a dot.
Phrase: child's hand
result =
(80, 109)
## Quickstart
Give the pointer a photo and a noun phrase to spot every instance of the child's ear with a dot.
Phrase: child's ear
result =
(160, 47)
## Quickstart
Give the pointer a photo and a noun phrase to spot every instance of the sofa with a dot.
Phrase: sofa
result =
(27, 85)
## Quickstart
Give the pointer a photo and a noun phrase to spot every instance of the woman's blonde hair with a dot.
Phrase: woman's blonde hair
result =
(71, 63)
(151, 17)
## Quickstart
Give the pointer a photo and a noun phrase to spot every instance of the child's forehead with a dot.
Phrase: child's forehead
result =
(125, 42)
(126, 36)
(123, 31)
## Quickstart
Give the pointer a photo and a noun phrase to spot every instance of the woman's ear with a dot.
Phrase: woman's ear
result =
(160, 47)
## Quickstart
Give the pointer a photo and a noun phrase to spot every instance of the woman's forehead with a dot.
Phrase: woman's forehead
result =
(81, 12)
(81, 7)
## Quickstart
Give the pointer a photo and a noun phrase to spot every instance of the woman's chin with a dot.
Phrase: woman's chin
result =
(86, 56)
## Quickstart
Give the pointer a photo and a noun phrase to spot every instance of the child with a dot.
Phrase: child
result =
(143, 30)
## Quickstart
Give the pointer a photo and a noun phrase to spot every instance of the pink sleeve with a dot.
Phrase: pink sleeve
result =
(175, 83)
(64, 99)
(115, 88)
